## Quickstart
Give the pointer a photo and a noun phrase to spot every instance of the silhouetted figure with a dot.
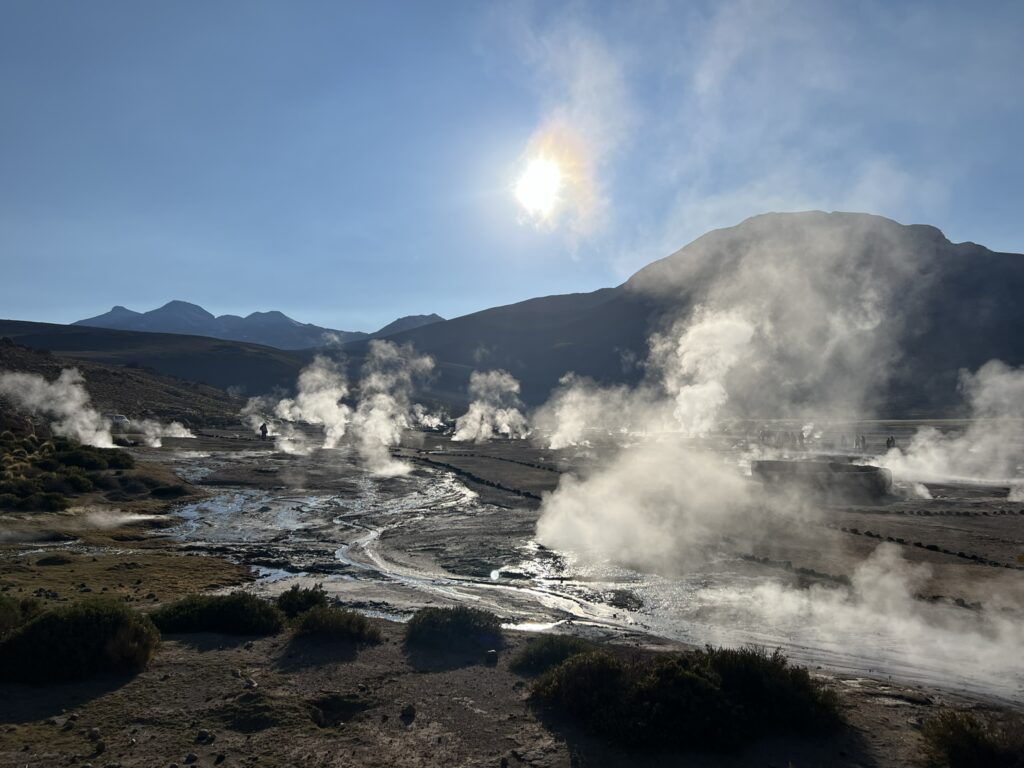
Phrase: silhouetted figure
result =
(890, 442)
(263, 431)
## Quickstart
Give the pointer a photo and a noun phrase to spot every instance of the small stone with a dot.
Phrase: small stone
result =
(250, 683)
(236, 673)
(190, 758)
(219, 759)
(408, 713)
(204, 736)
(93, 734)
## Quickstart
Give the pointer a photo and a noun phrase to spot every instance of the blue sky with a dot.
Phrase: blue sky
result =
(348, 163)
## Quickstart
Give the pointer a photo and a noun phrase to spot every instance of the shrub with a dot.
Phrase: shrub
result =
(457, 628)
(772, 693)
(547, 651)
(15, 612)
(337, 624)
(711, 699)
(77, 641)
(117, 459)
(963, 740)
(235, 614)
(296, 599)
(169, 491)
(81, 457)
(43, 502)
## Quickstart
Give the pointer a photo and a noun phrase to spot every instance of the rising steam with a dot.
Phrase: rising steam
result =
(774, 322)
(372, 426)
(990, 449)
(66, 403)
(494, 410)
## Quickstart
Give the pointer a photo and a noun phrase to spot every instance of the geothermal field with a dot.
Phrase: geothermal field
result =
(511, 384)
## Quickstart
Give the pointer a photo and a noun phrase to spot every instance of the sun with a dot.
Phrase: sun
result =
(537, 189)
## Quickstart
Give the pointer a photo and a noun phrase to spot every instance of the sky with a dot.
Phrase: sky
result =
(351, 162)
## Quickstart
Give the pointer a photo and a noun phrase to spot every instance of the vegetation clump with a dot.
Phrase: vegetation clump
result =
(298, 599)
(339, 624)
(546, 652)
(82, 640)
(964, 740)
(38, 475)
(236, 614)
(459, 628)
(14, 612)
(713, 699)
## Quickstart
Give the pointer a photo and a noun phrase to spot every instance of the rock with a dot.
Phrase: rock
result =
(219, 759)
(204, 736)
(93, 734)
(492, 657)
(190, 758)
(236, 673)
(250, 683)
(408, 713)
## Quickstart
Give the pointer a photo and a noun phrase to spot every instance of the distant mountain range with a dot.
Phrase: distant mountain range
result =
(272, 329)
(963, 307)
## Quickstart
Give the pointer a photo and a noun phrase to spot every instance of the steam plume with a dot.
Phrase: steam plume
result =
(494, 409)
(384, 408)
(991, 448)
(64, 401)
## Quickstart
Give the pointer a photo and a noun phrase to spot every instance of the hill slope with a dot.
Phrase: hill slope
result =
(961, 308)
(139, 394)
(243, 368)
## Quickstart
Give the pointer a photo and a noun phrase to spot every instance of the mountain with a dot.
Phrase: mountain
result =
(245, 369)
(957, 306)
(273, 329)
(406, 323)
(930, 309)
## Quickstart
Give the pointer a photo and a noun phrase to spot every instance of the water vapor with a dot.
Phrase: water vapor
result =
(989, 449)
(385, 408)
(494, 409)
(66, 403)
(369, 419)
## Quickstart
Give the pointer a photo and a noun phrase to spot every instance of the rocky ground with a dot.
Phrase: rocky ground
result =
(218, 700)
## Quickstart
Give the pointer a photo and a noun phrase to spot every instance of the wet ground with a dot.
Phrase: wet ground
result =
(459, 528)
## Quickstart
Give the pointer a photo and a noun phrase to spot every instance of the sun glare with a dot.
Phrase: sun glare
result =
(537, 189)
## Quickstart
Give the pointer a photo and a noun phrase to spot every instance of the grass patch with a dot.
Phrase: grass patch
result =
(236, 614)
(547, 651)
(337, 624)
(296, 599)
(168, 491)
(964, 740)
(457, 628)
(715, 699)
(78, 641)
(38, 475)
(16, 611)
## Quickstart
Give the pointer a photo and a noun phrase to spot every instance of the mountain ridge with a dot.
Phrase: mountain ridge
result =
(270, 328)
